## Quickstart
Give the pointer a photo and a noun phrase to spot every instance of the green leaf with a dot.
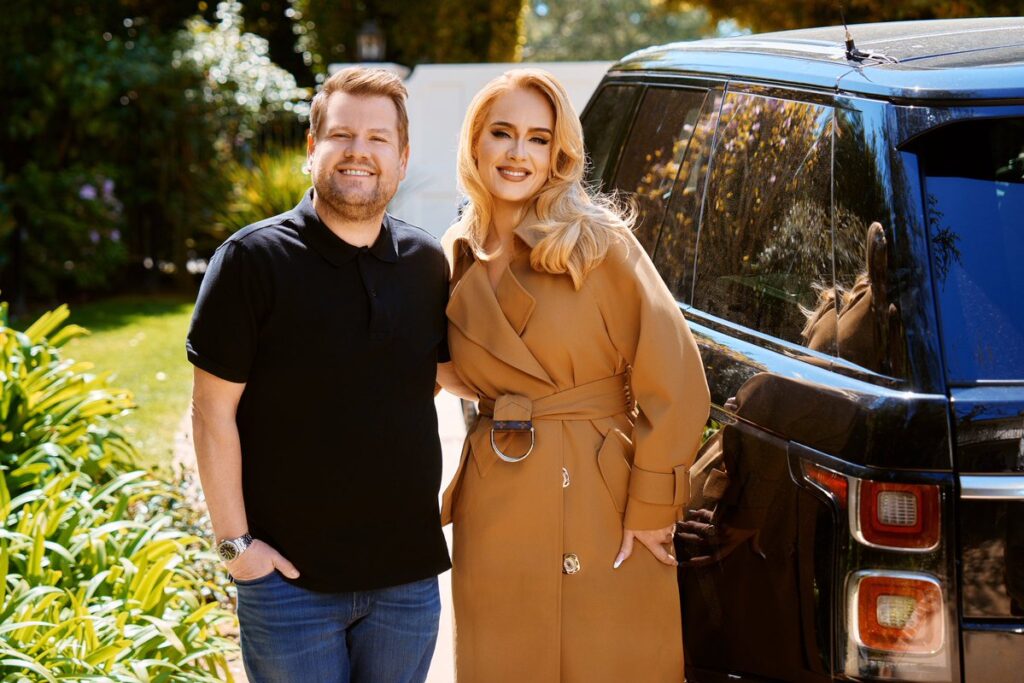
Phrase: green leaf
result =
(26, 663)
(167, 632)
(47, 323)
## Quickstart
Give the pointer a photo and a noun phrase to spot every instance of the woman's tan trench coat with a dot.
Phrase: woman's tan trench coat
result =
(536, 599)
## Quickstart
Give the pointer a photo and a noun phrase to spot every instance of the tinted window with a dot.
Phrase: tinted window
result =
(974, 189)
(870, 330)
(765, 243)
(650, 162)
(678, 241)
(604, 124)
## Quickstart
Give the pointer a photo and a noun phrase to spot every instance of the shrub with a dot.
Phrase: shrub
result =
(272, 184)
(105, 573)
(117, 120)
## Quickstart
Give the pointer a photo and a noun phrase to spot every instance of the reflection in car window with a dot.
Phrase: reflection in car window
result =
(678, 241)
(974, 186)
(865, 303)
(604, 124)
(765, 244)
(656, 144)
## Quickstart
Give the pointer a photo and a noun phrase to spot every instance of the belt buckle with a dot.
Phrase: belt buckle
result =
(513, 426)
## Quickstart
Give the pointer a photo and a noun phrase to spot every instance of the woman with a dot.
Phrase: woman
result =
(592, 402)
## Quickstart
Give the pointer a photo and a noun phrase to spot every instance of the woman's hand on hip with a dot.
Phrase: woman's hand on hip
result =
(258, 560)
(658, 541)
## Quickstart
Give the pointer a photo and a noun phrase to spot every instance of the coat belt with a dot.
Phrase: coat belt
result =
(509, 415)
(591, 401)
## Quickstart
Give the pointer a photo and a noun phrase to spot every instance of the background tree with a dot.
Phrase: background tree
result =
(606, 29)
(116, 121)
(274, 20)
(439, 31)
(789, 14)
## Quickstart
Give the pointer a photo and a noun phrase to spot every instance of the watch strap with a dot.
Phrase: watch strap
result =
(239, 543)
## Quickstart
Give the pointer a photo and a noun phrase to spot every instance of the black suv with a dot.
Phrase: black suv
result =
(843, 227)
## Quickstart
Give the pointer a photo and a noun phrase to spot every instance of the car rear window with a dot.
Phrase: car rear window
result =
(974, 199)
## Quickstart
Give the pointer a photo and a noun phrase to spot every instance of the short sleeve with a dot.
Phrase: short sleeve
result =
(222, 338)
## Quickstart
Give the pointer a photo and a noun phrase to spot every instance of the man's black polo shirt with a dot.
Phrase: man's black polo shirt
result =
(337, 346)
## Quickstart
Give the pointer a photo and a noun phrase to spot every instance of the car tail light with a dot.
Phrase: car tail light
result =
(883, 514)
(901, 516)
(896, 620)
(897, 612)
(832, 482)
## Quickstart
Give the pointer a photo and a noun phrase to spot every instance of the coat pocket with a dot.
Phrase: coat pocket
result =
(451, 494)
(613, 461)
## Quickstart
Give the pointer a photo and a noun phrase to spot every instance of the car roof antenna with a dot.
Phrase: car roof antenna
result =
(852, 52)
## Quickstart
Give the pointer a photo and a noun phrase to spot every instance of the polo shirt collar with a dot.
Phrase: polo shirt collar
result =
(336, 250)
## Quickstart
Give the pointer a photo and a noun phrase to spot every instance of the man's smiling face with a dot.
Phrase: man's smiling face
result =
(356, 160)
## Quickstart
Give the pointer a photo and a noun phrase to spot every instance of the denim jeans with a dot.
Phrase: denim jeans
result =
(293, 635)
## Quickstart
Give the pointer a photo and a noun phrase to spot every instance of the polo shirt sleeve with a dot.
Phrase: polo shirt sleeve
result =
(225, 323)
(443, 354)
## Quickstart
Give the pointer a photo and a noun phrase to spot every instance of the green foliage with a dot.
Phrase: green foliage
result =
(272, 19)
(272, 184)
(242, 87)
(437, 31)
(141, 336)
(789, 14)
(117, 118)
(480, 31)
(605, 30)
(103, 573)
(54, 413)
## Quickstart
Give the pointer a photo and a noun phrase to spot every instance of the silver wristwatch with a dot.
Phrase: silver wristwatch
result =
(230, 548)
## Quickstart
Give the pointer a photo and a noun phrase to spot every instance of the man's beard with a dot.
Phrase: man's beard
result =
(352, 205)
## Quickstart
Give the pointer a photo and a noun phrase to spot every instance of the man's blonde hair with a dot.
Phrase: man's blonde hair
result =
(358, 80)
(576, 226)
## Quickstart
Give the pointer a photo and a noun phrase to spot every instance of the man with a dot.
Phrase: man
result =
(315, 340)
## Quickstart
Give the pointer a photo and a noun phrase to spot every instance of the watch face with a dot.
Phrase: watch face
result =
(227, 551)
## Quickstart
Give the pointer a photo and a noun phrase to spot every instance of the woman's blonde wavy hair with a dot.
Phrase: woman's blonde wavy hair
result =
(576, 225)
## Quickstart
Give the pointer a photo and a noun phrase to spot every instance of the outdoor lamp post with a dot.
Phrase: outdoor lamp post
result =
(370, 43)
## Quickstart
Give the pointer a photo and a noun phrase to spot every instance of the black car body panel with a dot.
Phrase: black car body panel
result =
(822, 223)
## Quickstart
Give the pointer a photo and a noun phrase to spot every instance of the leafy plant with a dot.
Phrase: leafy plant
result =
(117, 122)
(104, 571)
(272, 184)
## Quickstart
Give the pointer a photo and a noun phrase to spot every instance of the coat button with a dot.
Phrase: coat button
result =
(570, 564)
(565, 478)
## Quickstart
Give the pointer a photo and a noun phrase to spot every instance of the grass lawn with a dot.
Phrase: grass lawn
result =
(142, 340)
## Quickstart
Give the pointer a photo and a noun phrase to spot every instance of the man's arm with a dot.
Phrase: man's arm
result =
(219, 455)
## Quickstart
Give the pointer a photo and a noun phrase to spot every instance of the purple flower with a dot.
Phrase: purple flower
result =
(87, 192)
(108, 188)
(94, 236)
(115, 235)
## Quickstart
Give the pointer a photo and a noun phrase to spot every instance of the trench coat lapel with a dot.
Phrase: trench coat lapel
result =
(494, 319)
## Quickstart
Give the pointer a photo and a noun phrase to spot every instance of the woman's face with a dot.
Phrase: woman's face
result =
(513, 152)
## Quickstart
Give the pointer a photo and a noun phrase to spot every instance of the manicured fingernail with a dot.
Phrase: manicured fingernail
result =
(618, 561)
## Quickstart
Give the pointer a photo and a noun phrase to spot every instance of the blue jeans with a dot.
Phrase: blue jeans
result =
(293, 635)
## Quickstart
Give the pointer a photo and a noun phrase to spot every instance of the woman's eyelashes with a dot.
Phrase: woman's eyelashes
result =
(504, 134)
